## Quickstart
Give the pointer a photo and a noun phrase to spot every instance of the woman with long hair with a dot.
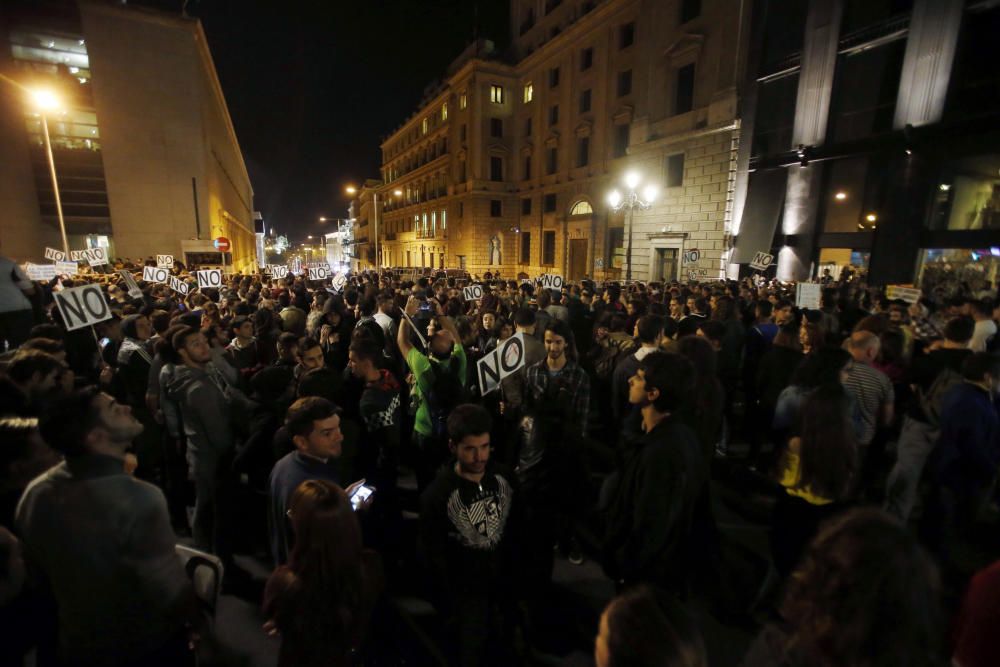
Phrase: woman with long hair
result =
(322, 600)
(643, 627)
(865, 595)
(817, 471)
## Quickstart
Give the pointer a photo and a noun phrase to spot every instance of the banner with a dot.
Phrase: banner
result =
(907, 294)
(82, 306)
(66, 268)
(40, 272)
(506, 359)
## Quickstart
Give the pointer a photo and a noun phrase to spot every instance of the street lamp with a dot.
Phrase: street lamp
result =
(630, 201)
(46, 101)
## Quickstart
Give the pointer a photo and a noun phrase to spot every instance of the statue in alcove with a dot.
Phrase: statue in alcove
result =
(495, 250)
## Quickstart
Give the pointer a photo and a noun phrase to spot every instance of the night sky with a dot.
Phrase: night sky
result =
(313, 87)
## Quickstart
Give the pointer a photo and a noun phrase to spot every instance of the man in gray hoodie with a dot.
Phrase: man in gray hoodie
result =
(207, 400)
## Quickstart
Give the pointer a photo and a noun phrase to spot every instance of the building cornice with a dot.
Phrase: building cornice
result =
(640, 148)
(595, 19)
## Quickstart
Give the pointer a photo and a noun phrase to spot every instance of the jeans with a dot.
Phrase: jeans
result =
(916, 442)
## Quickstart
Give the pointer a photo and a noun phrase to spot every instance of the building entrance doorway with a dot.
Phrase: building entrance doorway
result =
(577, 259)
(665, 264)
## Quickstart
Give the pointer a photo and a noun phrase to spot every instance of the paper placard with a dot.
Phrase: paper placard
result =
(82, 306)
(506, 359)
(338, 282)
(40, 272)
(155, 274)
(472, 292)
(278, 270)
(66, 268)
(318, 273)
(178, 285)
(77, 255)
(209, 278)
(165, 261)
(54, 255)
(907, 294)
(134, 290)
(551, 281)
(692, 256)
(762, 261)
(809, 296)
(96, 256)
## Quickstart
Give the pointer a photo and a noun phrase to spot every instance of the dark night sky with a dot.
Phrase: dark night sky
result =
(313, 87)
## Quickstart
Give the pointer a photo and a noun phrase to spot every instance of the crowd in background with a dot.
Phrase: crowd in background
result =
(255, 418)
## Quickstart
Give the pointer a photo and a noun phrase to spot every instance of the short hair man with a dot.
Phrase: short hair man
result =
(314, 425)
(649, 331)
(32, 376)
(103, 541)
(380, 411)
(466, 535)
(871, 388)
(310, 356)
(654, 521)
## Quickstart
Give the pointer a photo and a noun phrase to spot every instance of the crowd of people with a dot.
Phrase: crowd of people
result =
(343, 436)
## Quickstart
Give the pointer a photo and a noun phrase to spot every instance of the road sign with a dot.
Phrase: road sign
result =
(762, 261)
(472, 292)
(82, 306)
(506, 359)
(221, 244)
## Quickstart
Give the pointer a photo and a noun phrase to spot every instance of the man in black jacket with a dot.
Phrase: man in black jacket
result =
(468, 545)
(659, 506)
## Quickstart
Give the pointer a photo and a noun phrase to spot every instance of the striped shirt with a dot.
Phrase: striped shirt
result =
(871, 390)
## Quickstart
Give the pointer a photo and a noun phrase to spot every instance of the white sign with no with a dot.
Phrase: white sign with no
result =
(506, 359)
(209, 278)
(762, 261)
(551, 281)
(179, 286)
(165, 261)
(82, 306)
(318, 273)
(96, 256)
(155, 274)
(472, 292)
(54, 255)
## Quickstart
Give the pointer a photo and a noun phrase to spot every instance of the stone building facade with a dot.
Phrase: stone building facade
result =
(507, 164)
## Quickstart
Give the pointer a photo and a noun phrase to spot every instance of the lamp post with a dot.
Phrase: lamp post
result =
(628, 202)
(46, 101)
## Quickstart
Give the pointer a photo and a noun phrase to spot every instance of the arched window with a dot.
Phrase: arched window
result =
(582, 208)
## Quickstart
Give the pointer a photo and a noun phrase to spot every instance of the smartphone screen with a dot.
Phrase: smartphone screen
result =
(360, 495)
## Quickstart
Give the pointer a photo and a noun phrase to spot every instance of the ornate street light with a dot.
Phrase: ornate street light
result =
(629, 201)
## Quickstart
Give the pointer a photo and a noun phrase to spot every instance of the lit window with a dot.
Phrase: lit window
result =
(444, 111)
(463, 100)
(444, 219)
(496, 94)
(528, 90)
(582, 208)
(424, 125)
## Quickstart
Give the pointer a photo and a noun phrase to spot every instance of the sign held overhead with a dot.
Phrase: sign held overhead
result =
(133, 287)
(472, 292)
(762, 261)
(155, 274)
(54, 255)
(506, 359)
(209, 278)
(165, 261)
(82, 306)
(318, 273)
(96, 256)
(179, 286)
(551, 281)
(809, 296)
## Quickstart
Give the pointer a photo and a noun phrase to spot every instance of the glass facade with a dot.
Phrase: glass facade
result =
(967, 195)
(945, 272)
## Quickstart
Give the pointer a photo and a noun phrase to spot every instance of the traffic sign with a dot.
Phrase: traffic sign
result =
(221, 244)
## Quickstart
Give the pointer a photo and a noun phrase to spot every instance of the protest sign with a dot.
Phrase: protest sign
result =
(278, 270)
(551, 281)
(506, 359)
(762, 261)
(82, 306)
(423, 341)
(54, 255)
(179, 286)
(96, 256)
(692, 256)
(209, 278)
(338, 282)
(66, 268)
(472, 292)
(808, 295)
(155, 274)
(165, 261)
(41, 272)
(131, 284)
(907, 294)
(77, 255)
(318, 273)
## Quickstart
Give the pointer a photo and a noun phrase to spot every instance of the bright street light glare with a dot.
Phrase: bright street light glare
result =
(649, 192)
(350, 189)
(45, 100)
(632, 180)
(614, 198)
(322, 219)
(397, 192)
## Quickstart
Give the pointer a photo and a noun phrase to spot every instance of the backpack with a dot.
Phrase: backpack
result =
(604, 366)
(447, 392)
(930, 401)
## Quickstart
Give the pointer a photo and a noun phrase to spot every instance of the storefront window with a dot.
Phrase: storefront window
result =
(844, 262)
(947, 272)
(967, 195)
